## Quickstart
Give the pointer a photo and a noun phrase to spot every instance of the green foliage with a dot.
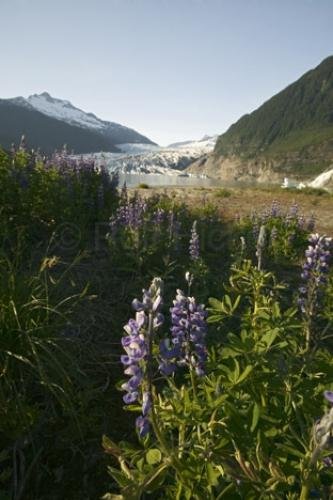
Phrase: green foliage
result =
(246, 429)
(286, 234)
(48, 214)
(38, 200)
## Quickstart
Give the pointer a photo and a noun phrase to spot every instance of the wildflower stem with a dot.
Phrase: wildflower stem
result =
(305, 491)
(160, 438)
(193, 382)
(149, 356)
(307, 337)
(155, 424)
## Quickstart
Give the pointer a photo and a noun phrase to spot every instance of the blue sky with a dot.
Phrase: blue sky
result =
(172, 69)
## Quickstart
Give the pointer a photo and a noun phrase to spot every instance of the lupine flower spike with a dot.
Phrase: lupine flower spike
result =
(194, 248)
(137, 344)
(187, 346)
(314, 272)
(322, 432)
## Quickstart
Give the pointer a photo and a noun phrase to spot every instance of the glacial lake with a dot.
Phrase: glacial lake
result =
(133, 180)
(163, 180)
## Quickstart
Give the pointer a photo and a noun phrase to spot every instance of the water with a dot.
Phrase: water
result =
(133, 180)
(165, 180)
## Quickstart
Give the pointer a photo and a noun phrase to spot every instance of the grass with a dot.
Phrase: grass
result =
(315, 191)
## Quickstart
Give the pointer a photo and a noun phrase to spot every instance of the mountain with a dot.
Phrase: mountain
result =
(290, 134)
(49, 123)
(45, 132)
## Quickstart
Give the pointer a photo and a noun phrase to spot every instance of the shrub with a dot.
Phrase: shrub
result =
(222, 193)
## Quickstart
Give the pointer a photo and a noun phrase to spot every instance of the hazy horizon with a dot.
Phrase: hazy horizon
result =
(173, 70)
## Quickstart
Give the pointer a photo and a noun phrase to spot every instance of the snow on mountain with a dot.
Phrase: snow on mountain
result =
(64, 110)
(206, 144)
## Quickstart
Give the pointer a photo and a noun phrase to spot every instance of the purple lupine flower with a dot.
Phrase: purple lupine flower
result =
(275, 209)
(137, 345)
(322, 433)
(314, 272)
(301, 221)
(143, 425)
(255, 230)
(293, 211)
(142, 422)
(129, 214)
(265, 216)
(194, 248)
(158, 216)
(328, 461)
(136, 211)
(329, 396)
(188, 332)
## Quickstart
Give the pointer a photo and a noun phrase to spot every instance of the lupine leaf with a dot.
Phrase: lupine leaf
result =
(255, 416)
(153, 456)
(245, 374)
(212, 475)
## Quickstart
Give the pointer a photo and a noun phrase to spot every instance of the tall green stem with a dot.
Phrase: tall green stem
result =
(159, 435)
(193, 382)
(305, 492)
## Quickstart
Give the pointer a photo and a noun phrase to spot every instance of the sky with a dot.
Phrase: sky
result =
(171, 69)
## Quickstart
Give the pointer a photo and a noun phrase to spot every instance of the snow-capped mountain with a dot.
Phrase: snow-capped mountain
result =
(49, 123)
(152, 159)
(64, 111)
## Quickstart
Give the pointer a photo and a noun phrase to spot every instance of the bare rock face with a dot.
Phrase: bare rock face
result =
(233, 168)
(301, 165)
